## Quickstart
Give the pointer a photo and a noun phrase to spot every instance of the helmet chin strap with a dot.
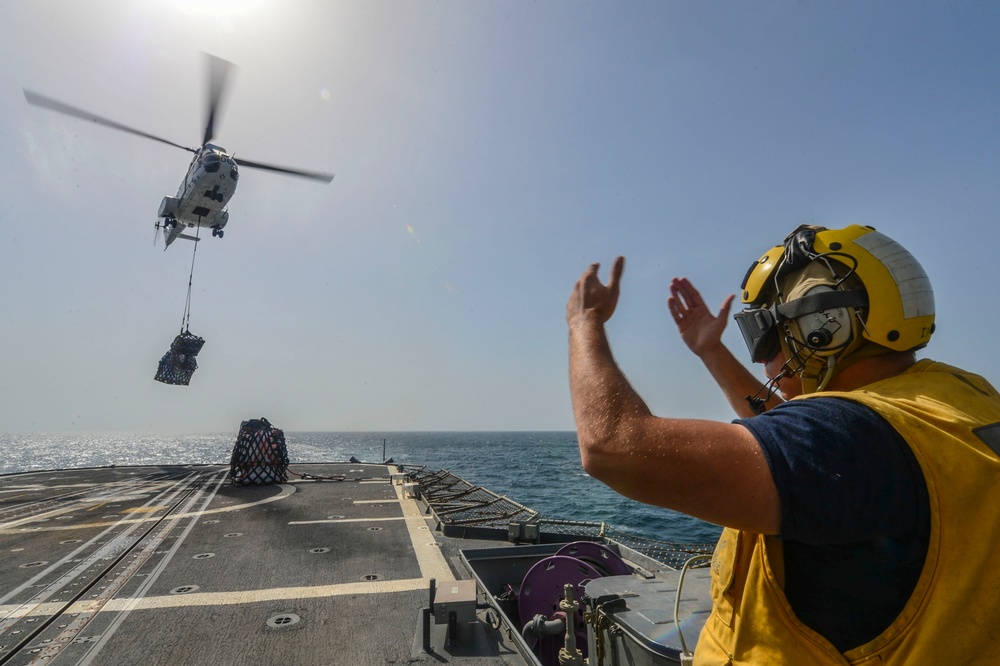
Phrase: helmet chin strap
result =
(817, 372)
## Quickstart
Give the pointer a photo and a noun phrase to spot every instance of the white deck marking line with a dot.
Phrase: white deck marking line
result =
(76, 504)
(242, 596)
(127, 605)
(347, 520)
(379, 501)
(286, 490)
(429, 558)
(109, 549)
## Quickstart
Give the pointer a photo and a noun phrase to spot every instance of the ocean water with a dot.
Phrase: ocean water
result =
(540, 470)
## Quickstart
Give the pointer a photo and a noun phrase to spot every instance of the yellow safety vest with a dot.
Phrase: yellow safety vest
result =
(953, 614)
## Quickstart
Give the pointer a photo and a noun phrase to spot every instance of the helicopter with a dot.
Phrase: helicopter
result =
(212, 176)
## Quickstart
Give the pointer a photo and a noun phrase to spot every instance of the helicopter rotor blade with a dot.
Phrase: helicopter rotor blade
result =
(54, 105)
(218, 74)
(314, 175)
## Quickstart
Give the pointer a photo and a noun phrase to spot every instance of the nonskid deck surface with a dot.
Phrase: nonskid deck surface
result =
(174, 565)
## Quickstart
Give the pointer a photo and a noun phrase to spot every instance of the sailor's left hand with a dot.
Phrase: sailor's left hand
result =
(699, 328)
(592, 298)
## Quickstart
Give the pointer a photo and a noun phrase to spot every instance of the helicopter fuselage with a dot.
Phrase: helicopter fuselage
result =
(202, 198)
(212, 176)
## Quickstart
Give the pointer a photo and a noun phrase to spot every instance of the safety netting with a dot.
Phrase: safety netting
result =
(456, 503)
(259, 456)
(179, 363)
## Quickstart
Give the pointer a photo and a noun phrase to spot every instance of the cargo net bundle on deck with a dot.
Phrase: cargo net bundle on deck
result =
(259, 456)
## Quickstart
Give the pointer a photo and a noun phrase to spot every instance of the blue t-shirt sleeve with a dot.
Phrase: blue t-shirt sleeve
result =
(843, 474)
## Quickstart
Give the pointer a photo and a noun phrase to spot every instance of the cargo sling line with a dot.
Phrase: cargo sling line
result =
(186, 319)
(179, 363)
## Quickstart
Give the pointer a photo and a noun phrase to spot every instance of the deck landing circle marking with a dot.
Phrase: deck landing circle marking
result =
(286, 490)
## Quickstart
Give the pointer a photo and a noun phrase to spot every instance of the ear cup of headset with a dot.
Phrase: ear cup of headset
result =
(826, 330)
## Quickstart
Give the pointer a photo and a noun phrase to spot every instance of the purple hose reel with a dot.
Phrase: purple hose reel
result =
(542, 590)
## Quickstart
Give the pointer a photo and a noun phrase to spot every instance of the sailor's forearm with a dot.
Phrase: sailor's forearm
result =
(735, 380)
(604, 403)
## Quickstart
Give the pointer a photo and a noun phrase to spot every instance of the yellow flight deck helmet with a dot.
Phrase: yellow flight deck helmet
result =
(824, 294)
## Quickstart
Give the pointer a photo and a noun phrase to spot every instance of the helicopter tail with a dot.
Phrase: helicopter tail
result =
(172, 231)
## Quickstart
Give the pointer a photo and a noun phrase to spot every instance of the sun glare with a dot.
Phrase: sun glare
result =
(218, 9)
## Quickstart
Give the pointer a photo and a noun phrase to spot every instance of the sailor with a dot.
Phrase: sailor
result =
(859, 513)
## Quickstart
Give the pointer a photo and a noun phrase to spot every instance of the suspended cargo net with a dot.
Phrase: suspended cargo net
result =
(260, 456)
(178, 364)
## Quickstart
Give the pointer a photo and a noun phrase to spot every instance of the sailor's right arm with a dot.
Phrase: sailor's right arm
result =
(710, 470)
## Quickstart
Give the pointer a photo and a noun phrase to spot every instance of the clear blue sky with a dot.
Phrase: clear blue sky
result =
(485, 153)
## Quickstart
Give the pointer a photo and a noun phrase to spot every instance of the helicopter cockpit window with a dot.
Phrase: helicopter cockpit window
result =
(234, 174)
(211, 162)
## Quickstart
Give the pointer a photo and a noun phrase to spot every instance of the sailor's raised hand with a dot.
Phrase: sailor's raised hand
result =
(699, 328)
(592, 298)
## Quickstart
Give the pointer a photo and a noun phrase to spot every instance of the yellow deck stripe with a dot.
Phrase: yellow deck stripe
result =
(232, 598)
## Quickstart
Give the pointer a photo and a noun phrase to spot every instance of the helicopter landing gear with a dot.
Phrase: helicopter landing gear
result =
(217, 232)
